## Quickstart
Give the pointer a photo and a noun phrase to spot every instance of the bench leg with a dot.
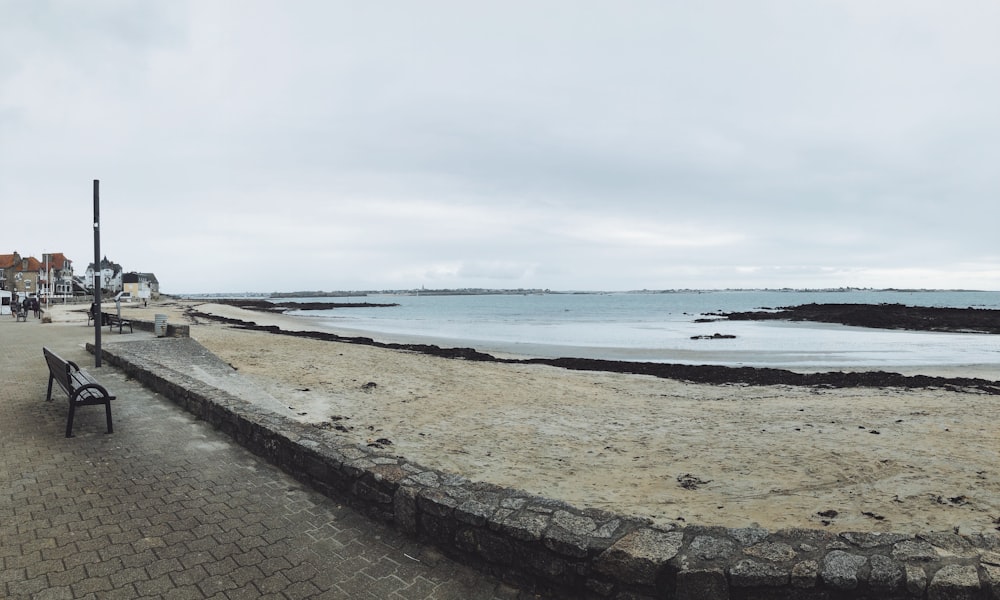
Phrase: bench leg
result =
(69, 420)
(107, 410)
(48, 395)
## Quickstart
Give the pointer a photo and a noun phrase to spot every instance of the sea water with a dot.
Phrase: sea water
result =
(660, 327)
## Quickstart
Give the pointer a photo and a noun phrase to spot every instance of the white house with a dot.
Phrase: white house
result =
(110, 276)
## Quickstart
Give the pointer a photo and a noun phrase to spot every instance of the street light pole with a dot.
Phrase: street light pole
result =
(48, 278)
(97, 266)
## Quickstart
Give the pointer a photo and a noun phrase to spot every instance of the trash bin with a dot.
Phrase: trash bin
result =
(160, 325)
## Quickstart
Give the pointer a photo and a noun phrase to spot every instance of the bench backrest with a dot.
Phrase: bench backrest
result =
(60, 369)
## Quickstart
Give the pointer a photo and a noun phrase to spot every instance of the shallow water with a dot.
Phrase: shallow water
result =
(660, 327)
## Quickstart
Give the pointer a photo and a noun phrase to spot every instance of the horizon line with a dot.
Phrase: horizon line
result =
(470, 290)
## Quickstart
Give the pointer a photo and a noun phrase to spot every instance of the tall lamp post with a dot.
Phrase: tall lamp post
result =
(47, 258)
(97, 279)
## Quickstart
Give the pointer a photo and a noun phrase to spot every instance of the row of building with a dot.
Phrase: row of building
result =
(53, 276)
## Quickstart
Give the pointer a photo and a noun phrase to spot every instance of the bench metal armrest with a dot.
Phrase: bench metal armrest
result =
(91, 386)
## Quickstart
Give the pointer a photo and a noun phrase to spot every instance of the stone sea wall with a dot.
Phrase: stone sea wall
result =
(555, 549)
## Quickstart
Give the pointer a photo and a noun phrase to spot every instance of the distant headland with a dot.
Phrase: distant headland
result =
(539, 291)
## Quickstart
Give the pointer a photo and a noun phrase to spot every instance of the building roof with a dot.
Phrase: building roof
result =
(106, 264)
(133, 277)
(58, 260)
(16, 262)
(8, 260)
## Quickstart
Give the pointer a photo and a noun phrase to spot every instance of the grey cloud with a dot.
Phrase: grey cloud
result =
(554, 144)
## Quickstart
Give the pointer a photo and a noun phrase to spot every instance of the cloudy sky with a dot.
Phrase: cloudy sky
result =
(252, 145)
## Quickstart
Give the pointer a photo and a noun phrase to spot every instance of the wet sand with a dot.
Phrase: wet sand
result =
(859, 459)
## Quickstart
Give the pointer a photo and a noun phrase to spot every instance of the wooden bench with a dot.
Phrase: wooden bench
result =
(112, 320)
(79, 385)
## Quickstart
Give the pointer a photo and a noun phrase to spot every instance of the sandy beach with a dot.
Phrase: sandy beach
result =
(855, 459)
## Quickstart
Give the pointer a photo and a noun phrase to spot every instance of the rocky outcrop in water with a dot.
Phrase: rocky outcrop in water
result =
(881, 316)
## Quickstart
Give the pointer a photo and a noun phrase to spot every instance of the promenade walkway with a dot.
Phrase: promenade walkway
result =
(168, 508)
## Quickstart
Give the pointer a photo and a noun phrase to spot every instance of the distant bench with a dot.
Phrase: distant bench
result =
(79, 385)
(111, 321)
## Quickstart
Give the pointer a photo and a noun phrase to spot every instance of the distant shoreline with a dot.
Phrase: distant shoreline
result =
(524, 291)
(280, 307)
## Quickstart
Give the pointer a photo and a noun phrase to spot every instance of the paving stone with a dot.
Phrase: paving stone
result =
(64, 578)
(55, 593)
(189, 592)
(154, 587)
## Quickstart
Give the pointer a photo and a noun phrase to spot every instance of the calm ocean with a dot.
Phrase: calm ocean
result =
(659, 327)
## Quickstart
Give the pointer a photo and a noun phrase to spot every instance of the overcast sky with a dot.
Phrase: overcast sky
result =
(250, 145)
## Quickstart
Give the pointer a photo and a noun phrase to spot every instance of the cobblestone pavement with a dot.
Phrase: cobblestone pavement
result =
(165, 507)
